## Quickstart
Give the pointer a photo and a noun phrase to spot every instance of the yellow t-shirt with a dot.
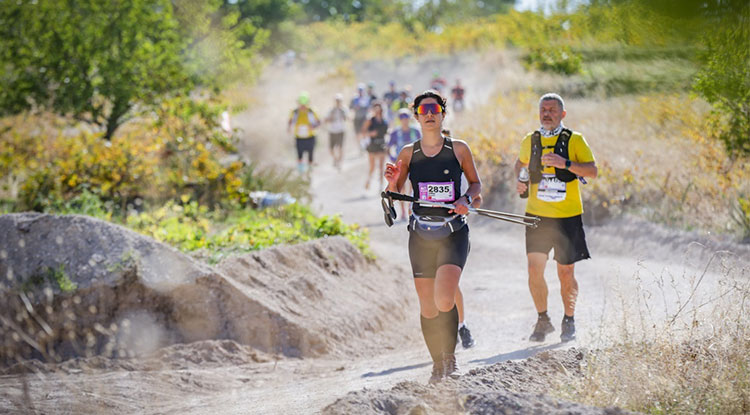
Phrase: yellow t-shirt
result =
(556, 199)
(304, 123)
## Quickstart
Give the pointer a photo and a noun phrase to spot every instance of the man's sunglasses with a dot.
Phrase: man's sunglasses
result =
(423, 109)
(403, 116)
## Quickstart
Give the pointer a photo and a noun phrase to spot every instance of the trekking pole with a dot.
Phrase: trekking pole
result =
(530, 221)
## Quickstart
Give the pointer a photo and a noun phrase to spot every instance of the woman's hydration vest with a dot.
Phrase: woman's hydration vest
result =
(437, 179)
(561, 149)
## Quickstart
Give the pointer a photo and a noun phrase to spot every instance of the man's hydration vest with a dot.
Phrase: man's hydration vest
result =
(561, 149)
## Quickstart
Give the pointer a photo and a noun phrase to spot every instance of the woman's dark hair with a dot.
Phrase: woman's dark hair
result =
(430, 93)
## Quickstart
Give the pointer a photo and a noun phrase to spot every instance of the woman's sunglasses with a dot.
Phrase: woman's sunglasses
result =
(433, 108)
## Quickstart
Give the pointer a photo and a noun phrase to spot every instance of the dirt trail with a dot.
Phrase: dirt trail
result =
(498, 306)
(500, 313)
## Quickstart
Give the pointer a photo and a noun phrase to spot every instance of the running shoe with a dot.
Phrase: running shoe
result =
(568, 329)
(437, 373)
(542, 328)
(450, 368)
(466, 340)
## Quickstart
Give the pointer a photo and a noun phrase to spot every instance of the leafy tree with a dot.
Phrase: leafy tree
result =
(222, 44)
(435, 12)
(106, 61)
(93, 60)
(724, 79)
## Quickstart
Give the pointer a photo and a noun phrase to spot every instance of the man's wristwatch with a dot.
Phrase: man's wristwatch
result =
(567, 164)
(468, 199)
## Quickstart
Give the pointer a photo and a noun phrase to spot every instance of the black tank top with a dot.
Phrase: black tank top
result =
(380, 128)
(436, 178)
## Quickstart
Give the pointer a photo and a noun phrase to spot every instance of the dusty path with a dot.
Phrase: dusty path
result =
(629, 259)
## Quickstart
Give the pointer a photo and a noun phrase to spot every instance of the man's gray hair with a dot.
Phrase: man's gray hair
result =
(551, 96)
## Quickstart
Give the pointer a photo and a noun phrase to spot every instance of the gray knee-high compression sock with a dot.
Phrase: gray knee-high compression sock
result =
(432, 332)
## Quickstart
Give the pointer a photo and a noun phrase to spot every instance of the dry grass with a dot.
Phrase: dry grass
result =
(657, 157)
(681, 345)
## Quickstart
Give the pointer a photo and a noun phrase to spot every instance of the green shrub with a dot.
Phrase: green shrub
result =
(559, 59)
(213, 234)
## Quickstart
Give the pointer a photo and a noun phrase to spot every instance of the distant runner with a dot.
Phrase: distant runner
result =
(438, 237)
(401, 102)
(399, 138)
(556, 157)
(438, 83)
(371, 92)
(457, 93)
(360, 104)
(302, 122)
(336, 119)
(376, 128)
(389, 97)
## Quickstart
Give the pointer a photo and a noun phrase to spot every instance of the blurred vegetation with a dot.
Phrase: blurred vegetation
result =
(656, 155)
(105, 63)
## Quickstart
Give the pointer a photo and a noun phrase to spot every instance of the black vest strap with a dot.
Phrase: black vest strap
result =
(561, 149)
(535, 163)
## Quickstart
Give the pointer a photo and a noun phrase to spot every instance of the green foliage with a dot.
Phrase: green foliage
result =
(107, 62)
(724, 80)
(90, 59)
(191, 227)
(56, 276)
(554, 59)
(184, 153)
(222, 44)
(741, 215)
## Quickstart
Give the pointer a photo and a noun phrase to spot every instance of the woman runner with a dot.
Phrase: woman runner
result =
(376, 128)
(437, 253)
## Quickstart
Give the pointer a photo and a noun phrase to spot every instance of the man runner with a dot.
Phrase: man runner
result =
(360, 105)
(457, 93)
(303, 121)
(335, 119)
(556, 158)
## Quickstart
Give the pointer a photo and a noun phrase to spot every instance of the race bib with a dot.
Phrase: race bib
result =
(437, 191)
(551, 189)
(303, 131)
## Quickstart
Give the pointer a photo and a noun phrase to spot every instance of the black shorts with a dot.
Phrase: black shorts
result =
(427, 256)
(564, 234)
(305, 145)
(335, 139)
(376, 146)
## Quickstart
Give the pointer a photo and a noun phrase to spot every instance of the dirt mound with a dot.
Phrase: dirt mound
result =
(503, 388)
(320, 297)
(81, 287)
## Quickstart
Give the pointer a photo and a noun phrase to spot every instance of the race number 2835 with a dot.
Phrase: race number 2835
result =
(437, 191)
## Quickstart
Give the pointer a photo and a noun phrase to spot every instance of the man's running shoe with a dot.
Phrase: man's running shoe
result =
(437, 373)
(568, 329)
(466, 340)
(450, 368)
(542, 328)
